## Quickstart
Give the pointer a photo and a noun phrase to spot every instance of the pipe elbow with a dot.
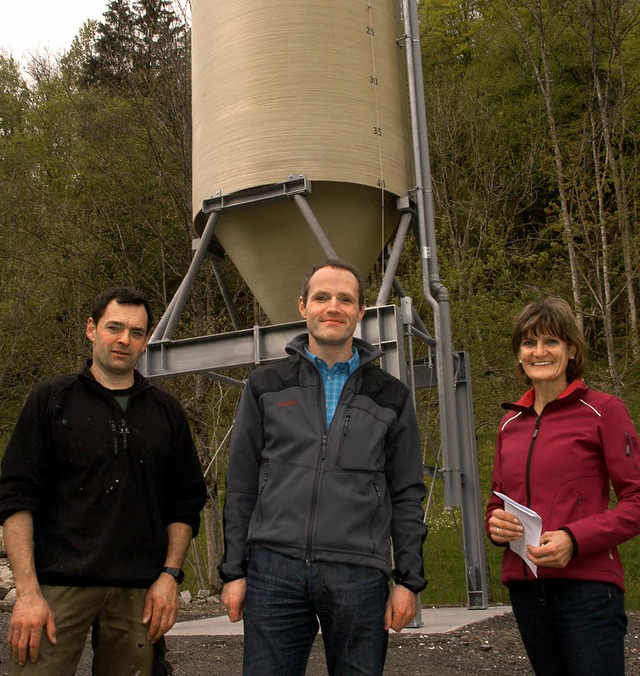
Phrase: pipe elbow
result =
(439, 291)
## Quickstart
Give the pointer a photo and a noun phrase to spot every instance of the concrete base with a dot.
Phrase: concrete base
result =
(436, 621)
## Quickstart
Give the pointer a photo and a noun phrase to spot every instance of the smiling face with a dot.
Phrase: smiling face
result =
(332, 311)
(545, 358)
(119, 338)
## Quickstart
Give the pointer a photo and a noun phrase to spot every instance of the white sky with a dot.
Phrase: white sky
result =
(31, 26)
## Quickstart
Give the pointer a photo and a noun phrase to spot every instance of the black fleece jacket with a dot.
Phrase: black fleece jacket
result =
(102, 485)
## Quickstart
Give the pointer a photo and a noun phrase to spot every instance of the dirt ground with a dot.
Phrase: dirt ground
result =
(491, 646)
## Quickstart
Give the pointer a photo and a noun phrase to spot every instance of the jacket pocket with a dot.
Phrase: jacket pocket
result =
(361, 443)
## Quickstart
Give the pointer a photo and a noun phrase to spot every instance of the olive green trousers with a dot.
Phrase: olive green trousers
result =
(120, 644)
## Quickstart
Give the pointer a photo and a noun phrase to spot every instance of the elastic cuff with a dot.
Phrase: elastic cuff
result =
(573, 540)
(234, 572)
(400, 577)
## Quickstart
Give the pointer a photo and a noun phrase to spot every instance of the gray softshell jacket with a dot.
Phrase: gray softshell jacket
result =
(319, 493)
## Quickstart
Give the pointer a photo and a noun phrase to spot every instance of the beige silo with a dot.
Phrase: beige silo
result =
(298, 87)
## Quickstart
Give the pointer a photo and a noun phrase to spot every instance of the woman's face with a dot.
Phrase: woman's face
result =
(545, 359)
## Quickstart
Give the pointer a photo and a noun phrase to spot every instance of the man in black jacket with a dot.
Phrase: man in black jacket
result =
(325, 469)
(100, 495)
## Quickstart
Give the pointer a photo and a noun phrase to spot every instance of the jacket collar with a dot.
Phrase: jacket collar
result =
(366, 351)
(574, 390)
(139, 381)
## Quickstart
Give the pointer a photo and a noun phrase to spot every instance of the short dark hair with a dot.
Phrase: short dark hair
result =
(550, 316)
(125, 295)
(334, 263)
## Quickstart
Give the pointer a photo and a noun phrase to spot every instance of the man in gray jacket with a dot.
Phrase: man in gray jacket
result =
(325, 471)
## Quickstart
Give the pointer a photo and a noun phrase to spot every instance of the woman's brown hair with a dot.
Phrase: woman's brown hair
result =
(550, 317)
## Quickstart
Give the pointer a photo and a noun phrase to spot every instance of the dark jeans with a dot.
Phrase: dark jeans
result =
(287, 597)
(571, 627)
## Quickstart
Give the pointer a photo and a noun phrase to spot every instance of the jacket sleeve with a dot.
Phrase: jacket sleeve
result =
(494, 501)
(241, 484)
(621, 452)
(187, 490)
(404, 472)
(23, 476)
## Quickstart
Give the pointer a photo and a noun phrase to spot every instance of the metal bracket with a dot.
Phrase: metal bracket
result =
(296, 184)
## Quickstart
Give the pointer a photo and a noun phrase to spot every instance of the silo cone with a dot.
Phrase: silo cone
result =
(314, 88)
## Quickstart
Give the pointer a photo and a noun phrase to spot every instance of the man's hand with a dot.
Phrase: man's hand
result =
(232, 597)
(30, 614)
(160, 607)
(402, 607)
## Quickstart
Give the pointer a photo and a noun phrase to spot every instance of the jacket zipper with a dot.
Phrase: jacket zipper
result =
(527, 484)
(314, 498)
(321, 459)
(123, 432)
(114, 431)
(345, 431)
(264, 481)
(378, 493)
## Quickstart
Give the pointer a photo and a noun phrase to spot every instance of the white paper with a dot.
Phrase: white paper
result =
(532, 524)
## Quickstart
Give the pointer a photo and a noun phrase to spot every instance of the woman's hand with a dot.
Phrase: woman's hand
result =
(504, 527)
(555, 550)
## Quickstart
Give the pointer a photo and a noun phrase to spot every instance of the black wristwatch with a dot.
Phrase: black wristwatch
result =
(176, 573)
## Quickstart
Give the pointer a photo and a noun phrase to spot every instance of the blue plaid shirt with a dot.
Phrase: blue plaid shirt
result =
(334, 378)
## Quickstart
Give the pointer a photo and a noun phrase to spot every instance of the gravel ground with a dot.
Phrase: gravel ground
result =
(492, 646)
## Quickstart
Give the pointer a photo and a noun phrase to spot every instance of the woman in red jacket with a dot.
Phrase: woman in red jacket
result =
(559, 449)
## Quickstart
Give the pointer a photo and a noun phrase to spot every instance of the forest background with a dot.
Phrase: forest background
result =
(533, 111)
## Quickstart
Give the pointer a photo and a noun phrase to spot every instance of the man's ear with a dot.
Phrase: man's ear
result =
(91, 329)
(302, 308)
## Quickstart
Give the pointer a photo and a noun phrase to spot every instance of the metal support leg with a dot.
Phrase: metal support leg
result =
(314, 226)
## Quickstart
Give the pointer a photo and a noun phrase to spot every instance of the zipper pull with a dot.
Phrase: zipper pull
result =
(124, 431)
(115, 437)
(324, 447)
(628, 451)
(345, 428)
(264, 482)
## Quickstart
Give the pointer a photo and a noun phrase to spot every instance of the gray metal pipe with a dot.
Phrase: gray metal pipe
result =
(434, 291)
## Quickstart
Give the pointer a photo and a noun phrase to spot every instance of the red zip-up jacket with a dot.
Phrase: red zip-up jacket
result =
(561, 464)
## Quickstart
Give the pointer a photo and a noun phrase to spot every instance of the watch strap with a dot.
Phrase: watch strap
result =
(176, 573)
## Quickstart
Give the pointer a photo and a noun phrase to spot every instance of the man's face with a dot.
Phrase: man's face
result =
(332, 311)
(119, 338)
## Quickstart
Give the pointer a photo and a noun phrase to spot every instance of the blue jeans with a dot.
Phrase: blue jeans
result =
(571, 627)
(286, 598)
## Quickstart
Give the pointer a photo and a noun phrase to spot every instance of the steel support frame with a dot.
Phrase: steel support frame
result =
(212, 355)
(383, 325)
